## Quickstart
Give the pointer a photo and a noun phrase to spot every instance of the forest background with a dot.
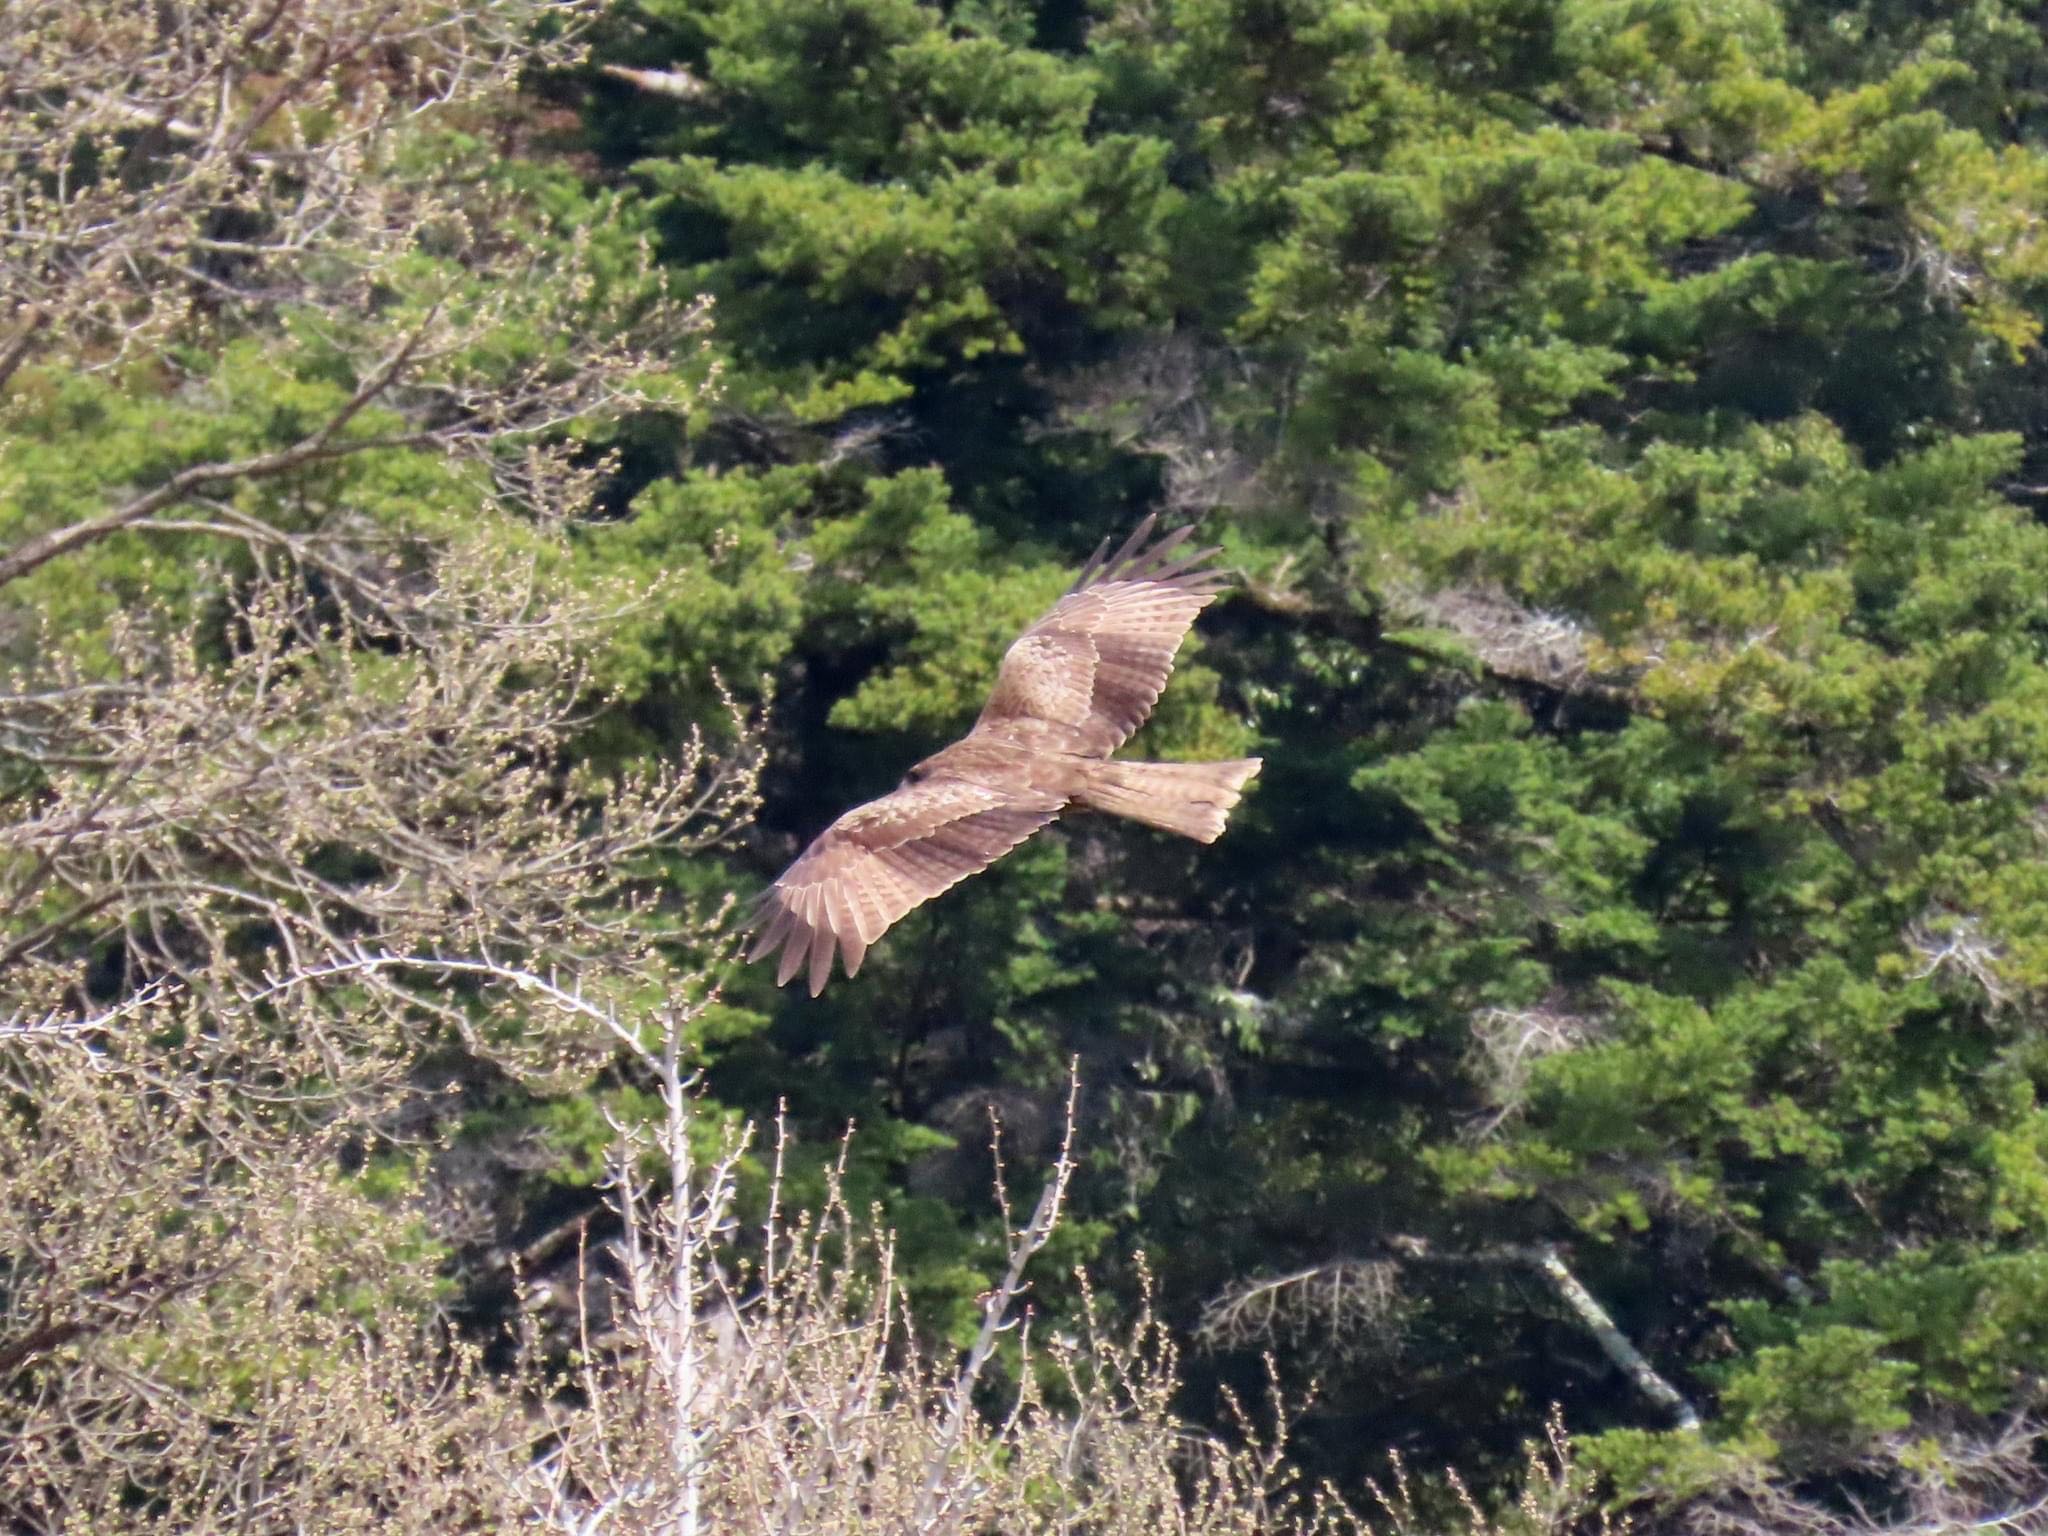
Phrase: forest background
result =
(1621, 996)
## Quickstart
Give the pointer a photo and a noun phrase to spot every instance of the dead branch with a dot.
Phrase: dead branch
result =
(1976, 1482)
(1956, 944)
(1506, 1045)
(677, 83)
(1338, 1312)
(1546, 1261)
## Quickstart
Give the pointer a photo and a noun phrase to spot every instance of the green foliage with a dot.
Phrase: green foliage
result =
(1829, 1393)
(897, 196)
(1626, 416)
(1627, 411)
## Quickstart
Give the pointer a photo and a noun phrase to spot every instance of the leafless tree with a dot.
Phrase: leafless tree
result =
(238, 832)
(181, 155)
(1955, 944)
(202, 1328)
(185, 170)
(1558, 1495)
(277, 833)
(348, 733)
(774, 1381)
(207, 1331)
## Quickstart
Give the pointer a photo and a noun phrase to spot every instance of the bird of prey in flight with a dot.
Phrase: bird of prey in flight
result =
(1072, 689)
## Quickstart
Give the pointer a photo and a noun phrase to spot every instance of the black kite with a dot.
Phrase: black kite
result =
(1071, 690)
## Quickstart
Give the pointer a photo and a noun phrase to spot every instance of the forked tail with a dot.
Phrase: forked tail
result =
(1193, 799)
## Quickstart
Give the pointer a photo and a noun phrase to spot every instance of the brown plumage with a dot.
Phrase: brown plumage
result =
(1072, 689)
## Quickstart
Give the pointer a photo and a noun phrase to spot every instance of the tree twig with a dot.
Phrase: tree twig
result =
(314, 448)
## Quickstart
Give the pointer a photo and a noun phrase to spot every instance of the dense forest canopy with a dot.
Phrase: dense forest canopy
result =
(478, 501)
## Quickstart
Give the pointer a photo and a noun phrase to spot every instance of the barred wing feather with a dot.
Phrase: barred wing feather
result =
(1098, 659)
(880, 860)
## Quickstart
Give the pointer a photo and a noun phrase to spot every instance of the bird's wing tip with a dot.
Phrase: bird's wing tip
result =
(1142, 558)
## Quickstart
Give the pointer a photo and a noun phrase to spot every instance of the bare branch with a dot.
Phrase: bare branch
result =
(1546, 1261)
(132, 131)
(1338, 1311)
(1506, 1045)
(678, 83)
(1957, 1483)
(317, 446)
(770, 1384)
(1955, 943)
(937, 1499)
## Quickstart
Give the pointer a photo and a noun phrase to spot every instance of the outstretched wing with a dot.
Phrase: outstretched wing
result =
(879, 860)
(1097, 661)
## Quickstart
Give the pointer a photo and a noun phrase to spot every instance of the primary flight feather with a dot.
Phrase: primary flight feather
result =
(1071, 690)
